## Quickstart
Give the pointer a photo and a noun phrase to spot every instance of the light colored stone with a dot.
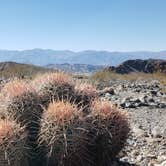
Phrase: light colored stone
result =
(139, 132)
(156, 132)
(161, 164)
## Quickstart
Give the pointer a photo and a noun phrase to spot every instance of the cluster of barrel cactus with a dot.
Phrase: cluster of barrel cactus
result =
(51, 120)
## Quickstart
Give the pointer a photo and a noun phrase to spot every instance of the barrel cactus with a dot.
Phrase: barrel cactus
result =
(53, 86)
(63, 135)
(108, 131)
(21, 103)
(13, 149)
(84, 95)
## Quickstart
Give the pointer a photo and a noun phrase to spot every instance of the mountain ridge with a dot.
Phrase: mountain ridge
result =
(43, 57)
(139, 65)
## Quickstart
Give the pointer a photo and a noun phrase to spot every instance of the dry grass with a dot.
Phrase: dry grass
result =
(107, 75)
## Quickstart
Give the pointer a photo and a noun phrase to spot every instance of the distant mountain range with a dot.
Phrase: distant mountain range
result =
(76, 68)
(43, 57)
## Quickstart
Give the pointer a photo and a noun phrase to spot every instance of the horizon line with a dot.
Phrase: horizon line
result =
(74, 51)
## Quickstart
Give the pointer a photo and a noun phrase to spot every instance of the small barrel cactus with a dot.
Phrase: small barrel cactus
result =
(108, 131)
(84, 94)
(21, 102)
(53, 86)
(23, 105)
(63, 136)
(13, 148)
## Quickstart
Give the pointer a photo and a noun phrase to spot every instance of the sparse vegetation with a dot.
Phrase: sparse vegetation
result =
(107, 75)
(12, 69)
(60, 130)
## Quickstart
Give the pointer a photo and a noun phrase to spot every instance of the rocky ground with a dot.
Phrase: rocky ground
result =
(145, 102)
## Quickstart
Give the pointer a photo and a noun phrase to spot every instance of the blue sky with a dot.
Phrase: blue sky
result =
(114, 25)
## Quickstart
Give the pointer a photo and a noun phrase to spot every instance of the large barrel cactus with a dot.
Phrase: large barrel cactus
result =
(63, 135)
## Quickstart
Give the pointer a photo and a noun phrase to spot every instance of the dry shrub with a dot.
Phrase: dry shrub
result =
(108, 131)
(13, 148)
(62, 135)
(84, 94)
(53, 86)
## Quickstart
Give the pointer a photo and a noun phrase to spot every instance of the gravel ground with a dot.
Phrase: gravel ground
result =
(146, 104)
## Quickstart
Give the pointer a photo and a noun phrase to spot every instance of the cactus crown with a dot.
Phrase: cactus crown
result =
(6, 129)
(58, 78)
(15, 88)
(62, 112)
(86, 89)
(103, 108)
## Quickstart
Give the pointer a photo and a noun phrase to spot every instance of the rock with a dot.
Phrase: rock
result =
(143, 98)
(164, 133)
(161, 105)
(106, 90)
(108, 95)
(139, 158)
(138, 132)
(156, 132)
(162, 164)
(161, 158)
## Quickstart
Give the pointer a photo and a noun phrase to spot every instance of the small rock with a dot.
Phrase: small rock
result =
(164, 133)
(162, 164)
(108, 95)
(156, 132)
(106, 90)
(139, 132)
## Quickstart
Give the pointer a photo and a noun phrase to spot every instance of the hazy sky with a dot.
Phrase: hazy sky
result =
(115, 25)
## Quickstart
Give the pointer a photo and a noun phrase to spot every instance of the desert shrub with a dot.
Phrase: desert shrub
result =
(108, 130)
(84, 94)
(63, 135)
(13, 148)
(53, 86)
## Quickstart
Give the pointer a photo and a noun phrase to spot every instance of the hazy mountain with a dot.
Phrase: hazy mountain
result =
(76, 68)
(44, 57)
